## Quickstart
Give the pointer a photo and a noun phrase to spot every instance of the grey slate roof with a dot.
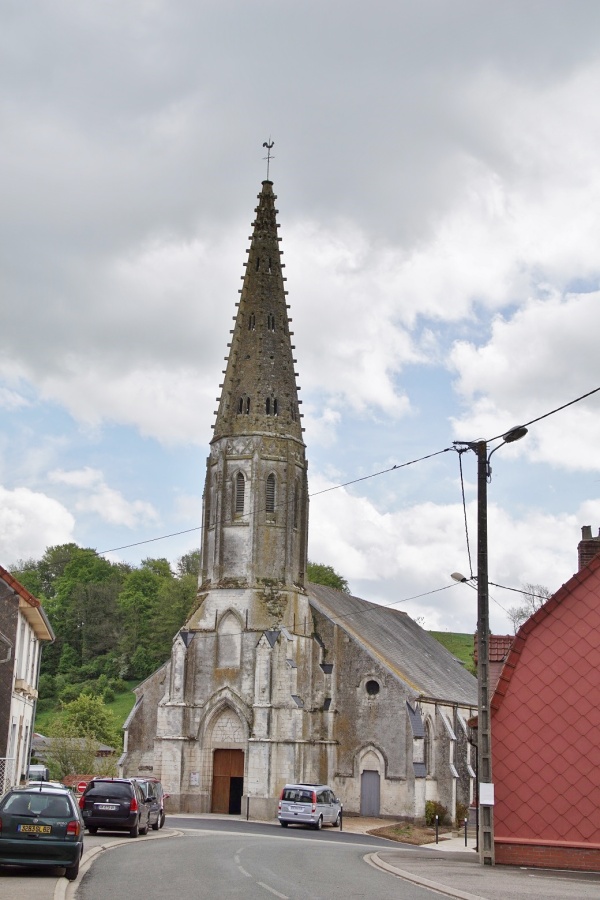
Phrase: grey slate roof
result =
(398, 643)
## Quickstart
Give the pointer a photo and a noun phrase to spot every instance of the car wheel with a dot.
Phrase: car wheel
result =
(162, 819)
(92, 829)
(336, 824)
(156, 825)
(133, 832)
(284, 824)
(144, 830)
(71, 872)
(319, 823)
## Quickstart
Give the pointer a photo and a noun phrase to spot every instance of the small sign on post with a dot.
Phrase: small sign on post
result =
(81, 786)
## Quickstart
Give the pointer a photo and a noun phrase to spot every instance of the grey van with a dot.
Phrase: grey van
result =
(314, 805)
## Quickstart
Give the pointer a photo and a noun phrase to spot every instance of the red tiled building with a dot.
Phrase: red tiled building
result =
(546, 730)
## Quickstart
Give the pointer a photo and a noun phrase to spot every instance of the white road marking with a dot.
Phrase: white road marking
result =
(272, 890)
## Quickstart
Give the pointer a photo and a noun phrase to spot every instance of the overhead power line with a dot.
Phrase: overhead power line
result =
(364, 477)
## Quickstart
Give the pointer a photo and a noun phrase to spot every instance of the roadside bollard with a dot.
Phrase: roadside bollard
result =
(437, 822)
(341, 818)
(465, 831)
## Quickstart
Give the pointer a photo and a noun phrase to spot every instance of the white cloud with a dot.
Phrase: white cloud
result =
(391, 557)
(29, 522)
(95, 496)
(541, 357)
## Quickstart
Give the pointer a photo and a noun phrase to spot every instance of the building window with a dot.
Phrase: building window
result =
(270, 494)
(240, 489)
(251, 322)
(427, 758)
(296, 503)
(244, 406)
(372, 687)
(271, 406)
(271, 322)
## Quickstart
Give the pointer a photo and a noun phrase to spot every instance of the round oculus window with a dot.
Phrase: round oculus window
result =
(372, 688)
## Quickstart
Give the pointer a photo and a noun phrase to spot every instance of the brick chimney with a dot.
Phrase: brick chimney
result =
(588, 546)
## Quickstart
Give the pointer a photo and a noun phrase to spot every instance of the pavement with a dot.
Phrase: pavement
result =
(453, 870)
(447, 867)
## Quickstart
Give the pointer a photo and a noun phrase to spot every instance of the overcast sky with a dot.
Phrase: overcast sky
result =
(438, 181)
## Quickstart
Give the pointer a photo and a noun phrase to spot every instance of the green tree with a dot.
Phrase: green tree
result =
(89, 716)
(189, 564)
(319, 573)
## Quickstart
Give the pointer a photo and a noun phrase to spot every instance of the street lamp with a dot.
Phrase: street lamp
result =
(485, 837)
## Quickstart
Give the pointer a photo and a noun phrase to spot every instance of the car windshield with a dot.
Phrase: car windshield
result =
(115, 789)
(37, 803)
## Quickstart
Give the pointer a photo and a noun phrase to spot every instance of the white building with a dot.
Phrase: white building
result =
(24, 627)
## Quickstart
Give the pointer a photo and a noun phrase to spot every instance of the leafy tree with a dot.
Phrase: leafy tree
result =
(319, 573)
(88, 715)
(534, 596)
(72, 754)
(189, 564)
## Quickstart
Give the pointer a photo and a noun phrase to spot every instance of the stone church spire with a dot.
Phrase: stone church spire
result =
(259, 393)
(255, 519)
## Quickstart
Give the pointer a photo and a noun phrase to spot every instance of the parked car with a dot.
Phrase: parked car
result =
(114, 804)
(41, 825)
(154, 797)
(309, 804)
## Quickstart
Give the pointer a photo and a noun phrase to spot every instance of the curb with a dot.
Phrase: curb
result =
(373, 860)
(65, 890)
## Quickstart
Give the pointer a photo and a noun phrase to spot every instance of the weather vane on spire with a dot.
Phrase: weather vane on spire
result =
(269, 145)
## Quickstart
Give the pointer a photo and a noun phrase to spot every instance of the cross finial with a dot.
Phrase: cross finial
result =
(269, 145)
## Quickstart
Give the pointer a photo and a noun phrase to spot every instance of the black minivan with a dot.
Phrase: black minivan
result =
(115, 804)
(155, 798)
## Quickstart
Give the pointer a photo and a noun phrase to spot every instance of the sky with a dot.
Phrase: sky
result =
(438, 180)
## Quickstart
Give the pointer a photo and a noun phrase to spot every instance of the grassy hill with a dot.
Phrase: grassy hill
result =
(459, 645)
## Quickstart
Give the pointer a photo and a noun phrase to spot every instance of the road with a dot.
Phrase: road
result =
(245, 860)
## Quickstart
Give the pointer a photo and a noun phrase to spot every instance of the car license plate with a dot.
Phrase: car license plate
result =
(110, 807)
(35, 829)
(296, 809)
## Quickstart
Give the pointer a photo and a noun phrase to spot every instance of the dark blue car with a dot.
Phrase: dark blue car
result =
(41, 826)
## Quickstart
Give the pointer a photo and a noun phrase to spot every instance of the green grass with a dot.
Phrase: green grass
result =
(459, 645)
(121, 706)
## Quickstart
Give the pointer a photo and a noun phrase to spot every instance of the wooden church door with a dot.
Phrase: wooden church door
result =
(228, 781)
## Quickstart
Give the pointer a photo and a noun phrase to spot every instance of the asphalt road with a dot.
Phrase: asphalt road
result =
(244, 860)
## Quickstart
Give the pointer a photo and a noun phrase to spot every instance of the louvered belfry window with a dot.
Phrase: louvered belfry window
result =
(240, 485)
(270, 495)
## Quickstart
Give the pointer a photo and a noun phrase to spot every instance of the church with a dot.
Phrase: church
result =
(274, 679)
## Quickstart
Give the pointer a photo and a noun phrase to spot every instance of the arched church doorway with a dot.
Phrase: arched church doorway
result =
(228, 781)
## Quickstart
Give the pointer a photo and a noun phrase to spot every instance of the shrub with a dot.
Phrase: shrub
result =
(70, 692)
(432, 809)
(462, 812)
(46, 687)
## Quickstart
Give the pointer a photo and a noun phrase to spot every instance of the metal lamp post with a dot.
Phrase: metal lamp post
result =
(485, 836)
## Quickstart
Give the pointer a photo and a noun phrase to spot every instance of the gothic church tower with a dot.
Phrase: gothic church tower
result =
(232, 721)
(255, 499)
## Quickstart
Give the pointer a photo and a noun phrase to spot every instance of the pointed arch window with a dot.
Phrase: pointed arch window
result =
(271, 406)
(240, 491)
(251, 322)
(270, 494)
(271, 322)
(244, 406)
(427, 748)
